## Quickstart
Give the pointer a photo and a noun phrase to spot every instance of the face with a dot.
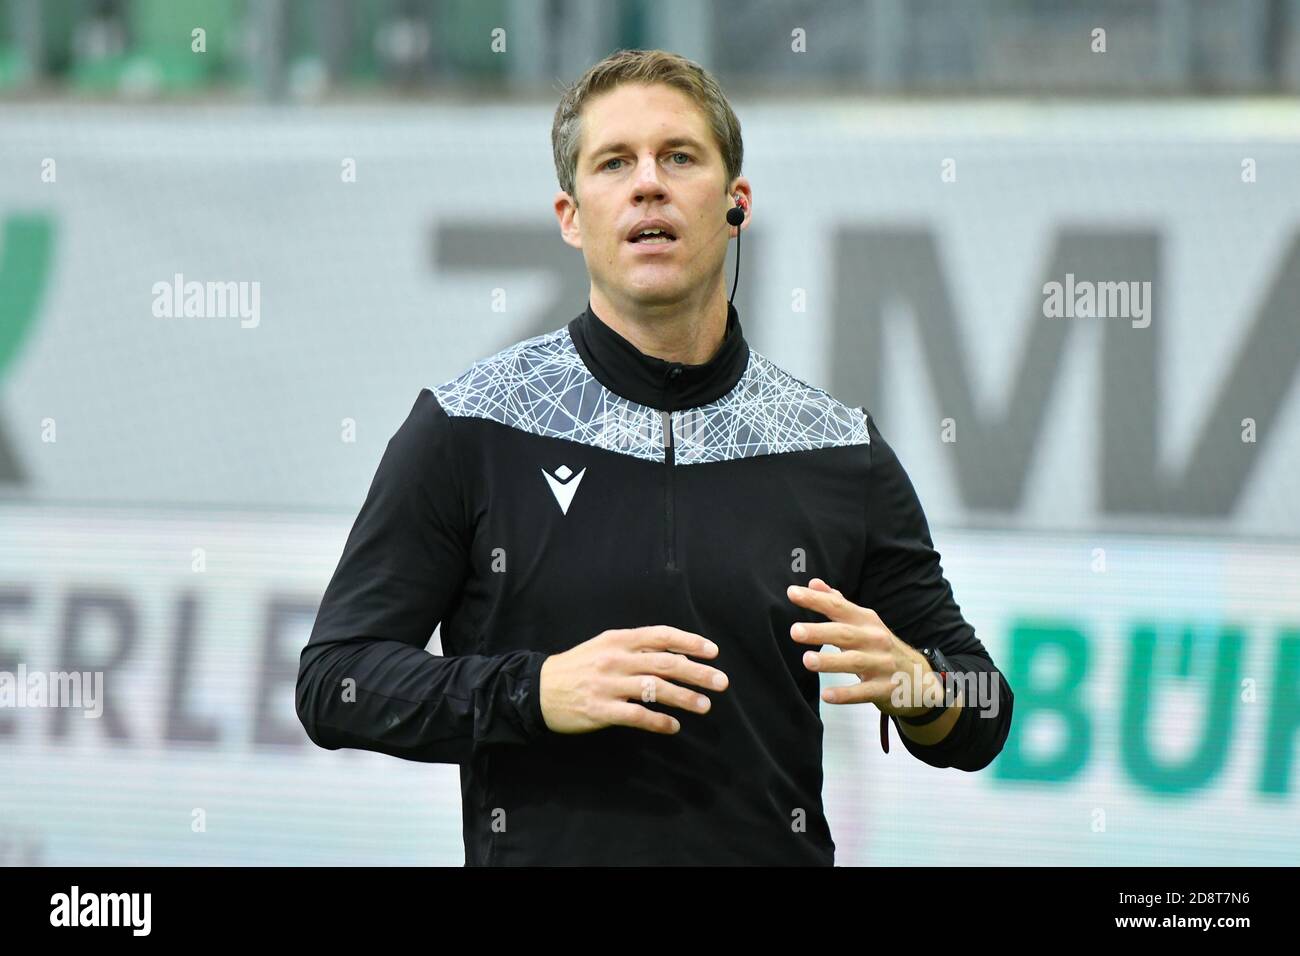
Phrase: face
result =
(647, 153)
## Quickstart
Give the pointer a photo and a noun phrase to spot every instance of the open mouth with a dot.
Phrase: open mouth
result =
(653, 237)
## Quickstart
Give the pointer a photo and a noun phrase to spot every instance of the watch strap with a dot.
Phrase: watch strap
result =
(939, 664)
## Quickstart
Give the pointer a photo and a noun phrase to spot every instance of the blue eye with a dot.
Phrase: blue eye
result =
(605, 164)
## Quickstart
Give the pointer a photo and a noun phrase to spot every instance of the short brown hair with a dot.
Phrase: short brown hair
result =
(643, 66)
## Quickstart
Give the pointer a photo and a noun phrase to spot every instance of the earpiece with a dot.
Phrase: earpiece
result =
(735, 216)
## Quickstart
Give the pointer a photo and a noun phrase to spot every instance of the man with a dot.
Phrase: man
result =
(614, 523)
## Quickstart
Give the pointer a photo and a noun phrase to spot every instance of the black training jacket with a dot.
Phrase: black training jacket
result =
(571, 484)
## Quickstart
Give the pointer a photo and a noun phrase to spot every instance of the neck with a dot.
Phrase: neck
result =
(688, 330)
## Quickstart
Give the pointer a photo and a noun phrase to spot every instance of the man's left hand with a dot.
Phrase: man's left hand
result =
(868, 649)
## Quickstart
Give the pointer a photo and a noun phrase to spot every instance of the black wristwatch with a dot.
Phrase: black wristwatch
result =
(941, 666)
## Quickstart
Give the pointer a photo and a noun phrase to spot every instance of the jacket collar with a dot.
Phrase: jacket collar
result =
(624, 369)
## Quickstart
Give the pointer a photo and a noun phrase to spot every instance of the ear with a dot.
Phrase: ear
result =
(566, 211)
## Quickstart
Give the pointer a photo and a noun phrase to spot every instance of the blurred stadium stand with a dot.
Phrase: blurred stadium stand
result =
(310, 48)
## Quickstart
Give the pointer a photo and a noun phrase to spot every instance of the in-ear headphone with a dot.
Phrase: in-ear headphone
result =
(735, 216)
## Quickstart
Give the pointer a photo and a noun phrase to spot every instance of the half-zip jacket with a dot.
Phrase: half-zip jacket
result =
(571, 484)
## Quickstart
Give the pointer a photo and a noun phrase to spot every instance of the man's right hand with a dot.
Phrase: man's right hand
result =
(602, 682)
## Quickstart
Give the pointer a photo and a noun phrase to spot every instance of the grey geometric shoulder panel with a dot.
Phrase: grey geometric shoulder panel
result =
(541, 385)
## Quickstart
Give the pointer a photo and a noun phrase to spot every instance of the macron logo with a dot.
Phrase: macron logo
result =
(563, 484)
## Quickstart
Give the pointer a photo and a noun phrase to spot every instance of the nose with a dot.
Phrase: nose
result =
(648, 185)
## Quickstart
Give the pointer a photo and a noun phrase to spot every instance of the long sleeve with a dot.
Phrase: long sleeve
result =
(903, 582)
(365, 679)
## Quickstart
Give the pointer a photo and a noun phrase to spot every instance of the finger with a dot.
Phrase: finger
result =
(859, 636)
(655, 637)
(624, 714)
(831, 603)
(863, 692)
(847, 662)
(677, 667)
(649, 689)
